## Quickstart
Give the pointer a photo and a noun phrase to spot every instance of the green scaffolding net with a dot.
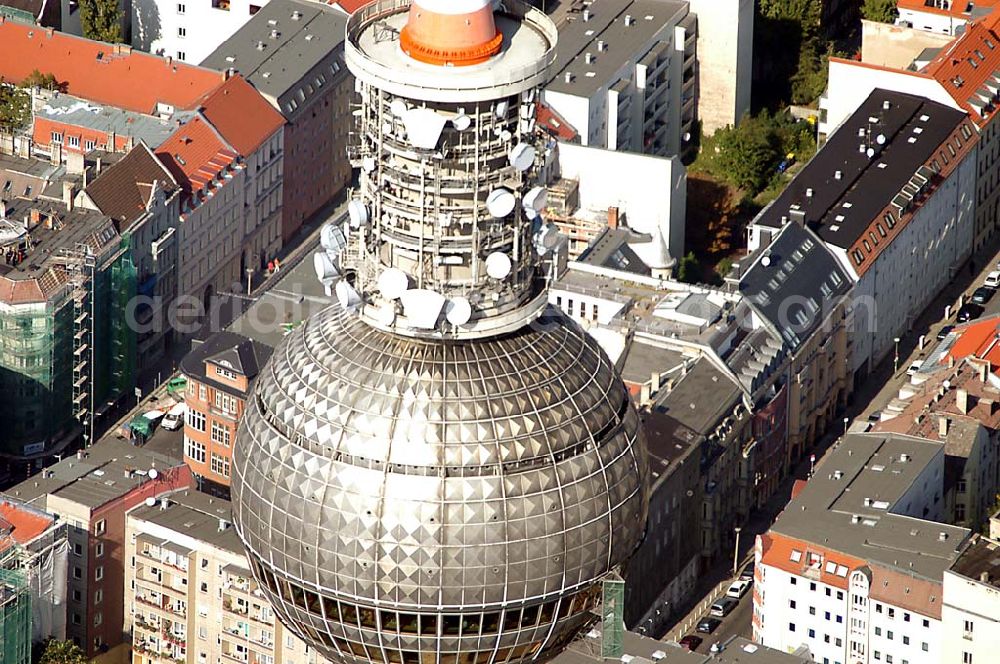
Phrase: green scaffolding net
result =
(15, 618)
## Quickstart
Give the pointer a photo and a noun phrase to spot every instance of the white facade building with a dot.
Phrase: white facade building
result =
(624, 76)
(971, 612)
(725, 61)
(185, 30)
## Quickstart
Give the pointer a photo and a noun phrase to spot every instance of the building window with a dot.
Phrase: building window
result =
(225, 402)
(906, 640)
(181, 8)
(98, 596)
(99, 549)
(791, 604)
(812, 633)
(76, 619)
(182, 32)
(959, 511)
(181, 56)
(966, 658)
(77, 573)
(98, 572)
(791, 627)
(924, 646)
(89, 144)
(194, 450)
(73, 141)
(225, 373)
(220, 465)
(77, 595)
(77, 549)
(100, 527)
(201, 392)
(57, 137)
(220, 434)
(196, 420)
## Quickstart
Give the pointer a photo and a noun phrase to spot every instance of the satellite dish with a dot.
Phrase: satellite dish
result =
(347, 296)
(461, 122)
(870, 152)
(153, 474)
(387, 128)
(535, 199)
(500, 202)
(521, 156)
(393, 282)
(498, 265)
(766, 261)
(423, 127)
(505, 135)
(458, 310)
(501, 109)
(398, 107)
(386, 315)
(326, 271)
(368, 163)
(358, 213)
(422, 307)
(331, 238)
(880, 139)
(150, 501)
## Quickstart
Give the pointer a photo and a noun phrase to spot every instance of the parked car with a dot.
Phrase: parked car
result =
(875, 417)
(969, 311)
(982, 295)
(944, 331)
(992, 279)
(914, 367)
(738, 588)
(747, 572)
(174, 419)
(691, 642)
(723, 607)
(716, 647)
(708, 625)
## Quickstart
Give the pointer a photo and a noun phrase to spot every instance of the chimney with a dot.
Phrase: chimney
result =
(984, 370)
(838, 175)
(69, 192)
(3, 209)
(80, 454)
(569, 77)
(798, 216)
(34, 218)
(628, 20)
(589, 58)
(586, 15)
(962, 400)
(654, 382)
(613, 217)
(984, 577)
(164, 503)
(223, 525)
(601, 45)
(943, 423)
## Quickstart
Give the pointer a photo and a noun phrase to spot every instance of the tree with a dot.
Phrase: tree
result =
(689, 269)
(37, 79)
(101, 20)
(15, 107)
(883, 11)
(62, 652)
(748, 154)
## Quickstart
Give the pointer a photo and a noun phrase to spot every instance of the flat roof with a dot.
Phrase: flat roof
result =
(979, 562)
(196, 515)
(840, 209)
(150, 129)
(606, 23)
(866, 475)
(700, 397)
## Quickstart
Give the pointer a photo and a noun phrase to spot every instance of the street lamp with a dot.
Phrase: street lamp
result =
(895, 360)
(736, 551)
(249, 277)
(846, 420)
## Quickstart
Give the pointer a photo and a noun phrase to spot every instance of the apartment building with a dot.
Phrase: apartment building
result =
(91, 492)
(892, 195)
(220, 374)
(191, 597)
(970, 615)
(187, 31)
(853, 567)
(300, 71)
(960, 75)
(624, 75)
(947, 17)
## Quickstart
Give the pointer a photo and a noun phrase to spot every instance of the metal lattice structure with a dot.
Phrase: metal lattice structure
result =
(15, 610)
(440, 469)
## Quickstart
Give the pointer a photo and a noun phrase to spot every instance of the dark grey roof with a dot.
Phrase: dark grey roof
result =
(611, 249)
(229, 350)
(299, 57)
(196, 515)
(607, 23)
(840, 210)
(701, 397)
(797, 287)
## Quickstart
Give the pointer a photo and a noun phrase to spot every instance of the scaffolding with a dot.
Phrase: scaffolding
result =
(15, 610)
(612, 616)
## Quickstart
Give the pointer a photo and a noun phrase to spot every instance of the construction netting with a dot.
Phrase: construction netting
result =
(15, 617)
(115, 287)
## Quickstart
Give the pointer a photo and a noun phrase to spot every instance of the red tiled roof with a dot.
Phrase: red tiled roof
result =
(957, 8)
(777, 552)
(966, 69)
(979, 339)
(195, 154)
(555, 124)
(241, 115)
(26, 525)
(350, 6)
(110, 74)
(921, 596)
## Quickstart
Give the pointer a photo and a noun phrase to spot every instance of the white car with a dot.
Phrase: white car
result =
(174, 419)
(992, 279)
(914, 367)
(738, 588)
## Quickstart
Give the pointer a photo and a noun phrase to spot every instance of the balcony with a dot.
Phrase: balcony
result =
(234, 607)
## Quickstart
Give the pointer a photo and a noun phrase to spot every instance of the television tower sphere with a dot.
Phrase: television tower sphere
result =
(440, 468)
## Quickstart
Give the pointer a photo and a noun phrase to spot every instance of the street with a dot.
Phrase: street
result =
(736, 623)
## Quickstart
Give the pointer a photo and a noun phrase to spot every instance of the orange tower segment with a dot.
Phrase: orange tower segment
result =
(451, 32)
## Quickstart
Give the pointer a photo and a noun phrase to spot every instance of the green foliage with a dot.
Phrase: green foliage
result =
(747, 156)
(689, 269)
(883, 11)
(723, 267)
(792, 52)
(15, 107)
(37, 79)
(101, 20)
(62, 652)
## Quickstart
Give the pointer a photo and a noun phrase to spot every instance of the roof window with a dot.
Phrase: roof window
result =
(795, 556)
(989, 43)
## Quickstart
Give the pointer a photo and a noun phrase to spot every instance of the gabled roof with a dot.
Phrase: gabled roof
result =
(195, 155)
(106, 73)
(969, 68)
(123, 191)
(249, 354)
(20, 523)
(979, 339)
(240, 358)
(241, 115)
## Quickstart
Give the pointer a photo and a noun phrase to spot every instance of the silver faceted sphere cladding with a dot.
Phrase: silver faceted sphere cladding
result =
(428, 502)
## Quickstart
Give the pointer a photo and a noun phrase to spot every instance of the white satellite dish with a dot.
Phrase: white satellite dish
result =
(387, 128)
(331, 238)
(535, 199)
(150, 501)
(461, 122)
(500, 202)
(422, 307)
(368, 163)
(498, 265)
(501, 109)
(424, 127)
(398, 107)
(505, 135)
(765, 261)
(358, 213)
(347, 296)
(521, 156)
(153, 474)
(393, 282)
(326, 271)
(386, 315)
(458, 310)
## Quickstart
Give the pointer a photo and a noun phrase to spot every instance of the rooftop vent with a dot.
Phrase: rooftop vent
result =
(601, 45)
(856, 518)
(886, 105)
(586, 15)
(809, 192)
(628, 20)
(589, 58)
(296, 15)
(261, 45)
(568, 77)
(904, 458)
(868, 502)
(838, 175)
(942, 536)
(275, 34)
(838, 474)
